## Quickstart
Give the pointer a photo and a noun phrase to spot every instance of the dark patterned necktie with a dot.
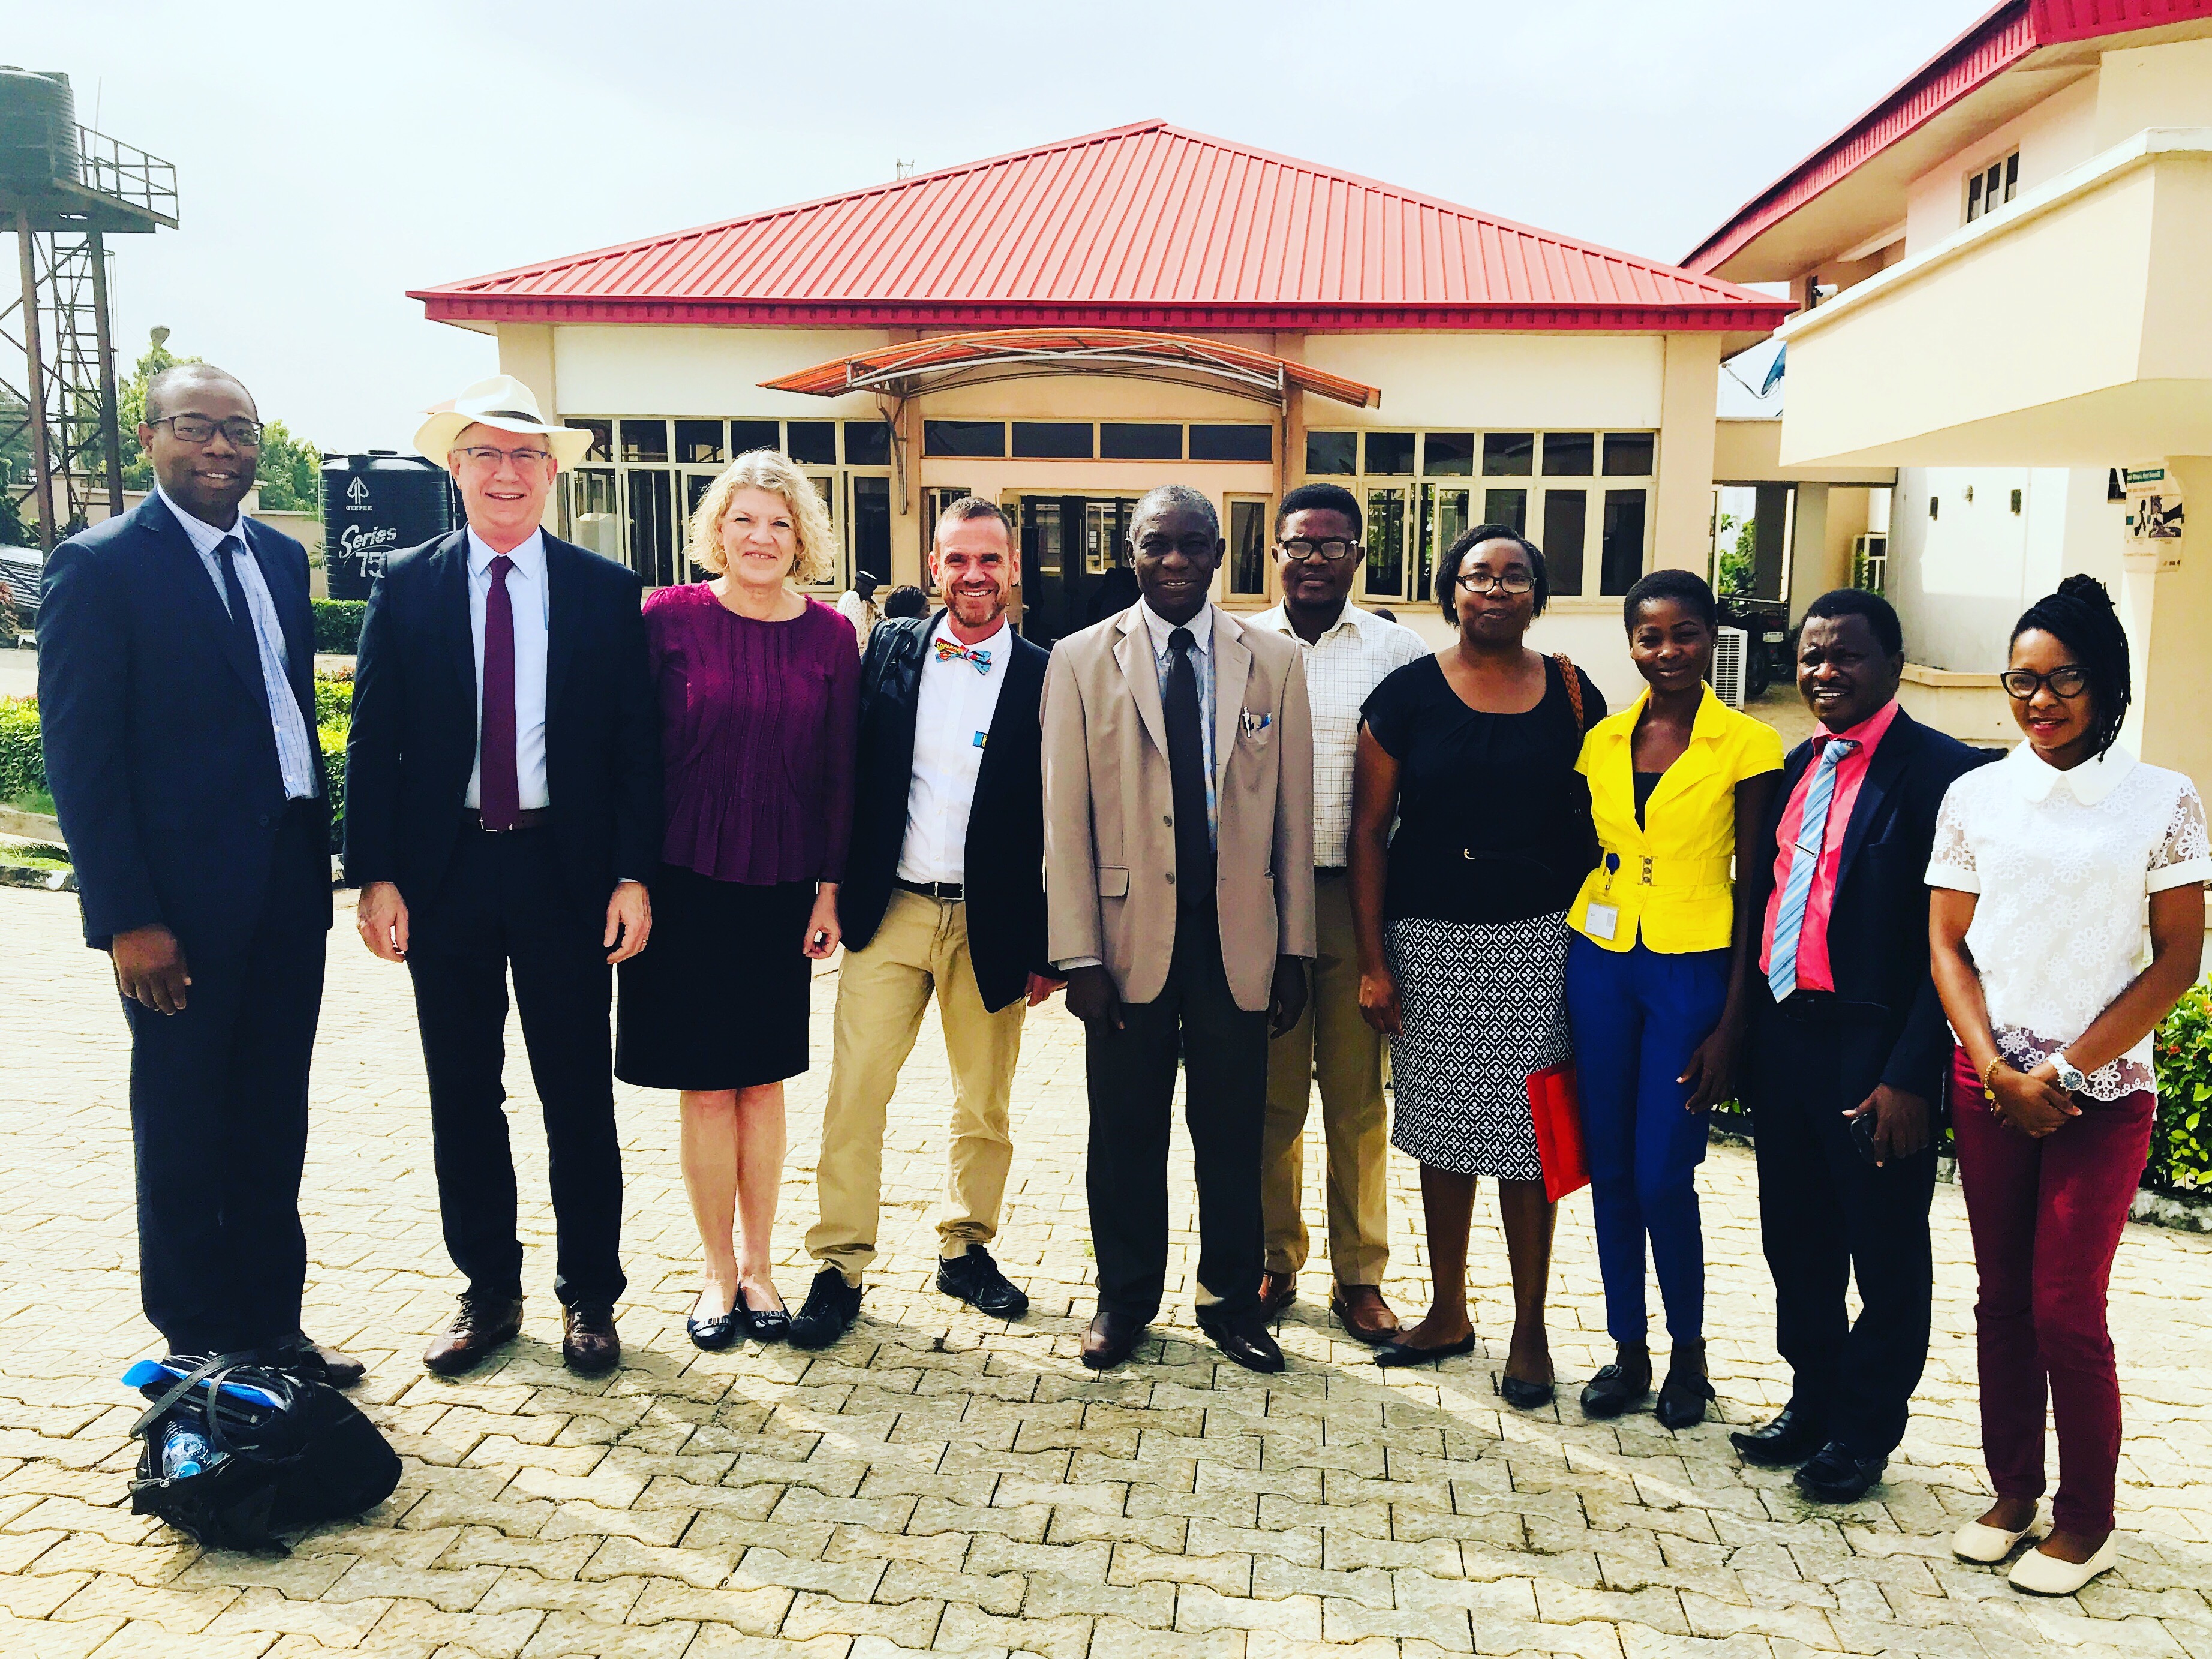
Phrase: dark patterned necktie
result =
(1187, 774)
(243, 639)
(499, 794)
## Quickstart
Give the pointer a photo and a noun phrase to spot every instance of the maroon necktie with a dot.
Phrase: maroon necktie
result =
(498, 794)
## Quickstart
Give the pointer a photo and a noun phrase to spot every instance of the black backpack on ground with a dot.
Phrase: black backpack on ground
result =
(307, 1457)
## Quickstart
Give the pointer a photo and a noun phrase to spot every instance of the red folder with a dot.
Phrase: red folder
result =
(1557, 1108)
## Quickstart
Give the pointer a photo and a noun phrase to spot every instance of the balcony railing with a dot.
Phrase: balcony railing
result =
(126, 174)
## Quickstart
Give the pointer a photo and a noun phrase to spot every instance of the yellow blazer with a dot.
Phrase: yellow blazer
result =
(1671, 878)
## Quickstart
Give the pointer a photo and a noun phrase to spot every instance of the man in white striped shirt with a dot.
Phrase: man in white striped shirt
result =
(1348, 652)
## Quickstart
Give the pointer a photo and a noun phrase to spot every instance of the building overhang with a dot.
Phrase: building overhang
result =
(946, 361)
(2067, 329)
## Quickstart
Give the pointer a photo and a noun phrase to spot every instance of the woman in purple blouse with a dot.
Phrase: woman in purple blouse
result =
(759, 690)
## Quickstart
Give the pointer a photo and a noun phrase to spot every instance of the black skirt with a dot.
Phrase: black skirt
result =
(718, 997)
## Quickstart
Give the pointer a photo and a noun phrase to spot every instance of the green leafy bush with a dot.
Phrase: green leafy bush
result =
(334, 698)
(23, 766)
(332, 740)
(337, 625)
(2181, 1145)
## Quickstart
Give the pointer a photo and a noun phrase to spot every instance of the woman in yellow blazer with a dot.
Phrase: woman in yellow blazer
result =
(1656, 972)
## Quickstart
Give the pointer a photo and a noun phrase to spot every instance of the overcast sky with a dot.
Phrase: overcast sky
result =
(330, 158)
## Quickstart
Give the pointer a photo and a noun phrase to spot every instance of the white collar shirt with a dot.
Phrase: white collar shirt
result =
(1161, 632)
(529, 600)
(1355, 653)
(952, 717)
(297, 758)
(2063, 865)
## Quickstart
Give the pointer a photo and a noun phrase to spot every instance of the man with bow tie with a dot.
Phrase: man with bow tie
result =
(948, 789)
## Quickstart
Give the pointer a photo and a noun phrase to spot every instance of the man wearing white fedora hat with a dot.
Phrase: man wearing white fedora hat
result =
(503, 811)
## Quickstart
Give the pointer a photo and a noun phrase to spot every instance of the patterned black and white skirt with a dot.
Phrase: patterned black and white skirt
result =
(1484, 1005)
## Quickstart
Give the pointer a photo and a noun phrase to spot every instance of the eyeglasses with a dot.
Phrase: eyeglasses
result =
(485, 455)
(1299, 549)
(1513, 582)
(2022, 684)
(239, 432)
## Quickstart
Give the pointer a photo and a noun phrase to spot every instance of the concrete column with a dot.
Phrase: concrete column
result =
(2168, 614)
(1812, 571)
(525, 352)
(1768, 540)
(1681, 533)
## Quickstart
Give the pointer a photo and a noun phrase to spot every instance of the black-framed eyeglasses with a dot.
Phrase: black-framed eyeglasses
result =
(486, 455)
(1511, 582)
(1334, 550)
(2068, 682)
(239, 432)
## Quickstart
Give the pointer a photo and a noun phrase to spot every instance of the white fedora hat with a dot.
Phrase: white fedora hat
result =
(505, 403)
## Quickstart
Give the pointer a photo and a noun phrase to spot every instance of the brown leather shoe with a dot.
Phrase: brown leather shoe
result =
(302, 1355)
(1366, 1317)
(478, 1326)
(1277, 1293)
(1111, 1339)
(588, 1342)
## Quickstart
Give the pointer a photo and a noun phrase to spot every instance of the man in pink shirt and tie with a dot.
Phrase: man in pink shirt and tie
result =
(1848, 1046)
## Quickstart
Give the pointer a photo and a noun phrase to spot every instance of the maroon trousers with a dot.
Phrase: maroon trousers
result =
(2046, 1218)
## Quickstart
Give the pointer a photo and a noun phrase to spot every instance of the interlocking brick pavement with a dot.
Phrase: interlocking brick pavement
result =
(940, 1482)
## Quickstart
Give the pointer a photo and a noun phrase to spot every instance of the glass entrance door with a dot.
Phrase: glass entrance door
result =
(1075, 554)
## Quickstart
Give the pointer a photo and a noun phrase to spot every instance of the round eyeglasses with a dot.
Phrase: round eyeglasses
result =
(1511, 582)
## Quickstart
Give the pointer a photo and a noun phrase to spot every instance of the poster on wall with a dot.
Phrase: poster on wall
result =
(2155, 517)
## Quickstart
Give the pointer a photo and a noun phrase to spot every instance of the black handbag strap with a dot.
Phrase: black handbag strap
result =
(216, 1367)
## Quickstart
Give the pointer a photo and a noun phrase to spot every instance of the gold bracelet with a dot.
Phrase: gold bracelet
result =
(1989, 1081)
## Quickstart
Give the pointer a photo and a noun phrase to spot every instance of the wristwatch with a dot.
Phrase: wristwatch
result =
(2070, 1076)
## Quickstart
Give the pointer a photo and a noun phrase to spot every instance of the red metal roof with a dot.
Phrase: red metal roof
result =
(1997, 41)
(1142, 226)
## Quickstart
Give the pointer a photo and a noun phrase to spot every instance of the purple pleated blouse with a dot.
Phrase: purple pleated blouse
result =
(759, 722)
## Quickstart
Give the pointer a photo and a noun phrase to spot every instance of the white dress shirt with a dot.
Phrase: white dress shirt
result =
(951, 723)
(528, 599)
(298, 760)
(1354, 654)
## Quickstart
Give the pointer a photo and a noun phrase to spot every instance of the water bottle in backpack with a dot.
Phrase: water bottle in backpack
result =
(185, 1451)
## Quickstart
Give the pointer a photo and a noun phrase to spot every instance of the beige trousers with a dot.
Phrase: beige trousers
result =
(921, 946)
(1332, 1040)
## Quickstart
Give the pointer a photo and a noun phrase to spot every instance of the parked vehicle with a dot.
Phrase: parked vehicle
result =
(1765, 623)
(19, 593)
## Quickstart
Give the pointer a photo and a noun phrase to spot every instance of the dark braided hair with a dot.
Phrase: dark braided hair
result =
(2080, 616)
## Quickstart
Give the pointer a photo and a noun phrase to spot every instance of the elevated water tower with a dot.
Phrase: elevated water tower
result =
(64, 190)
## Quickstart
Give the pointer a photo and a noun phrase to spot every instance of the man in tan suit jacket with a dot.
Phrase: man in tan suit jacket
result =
(1178, 846)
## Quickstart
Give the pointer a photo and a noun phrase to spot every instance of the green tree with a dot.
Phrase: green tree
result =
(289, 472)
(1739, 559)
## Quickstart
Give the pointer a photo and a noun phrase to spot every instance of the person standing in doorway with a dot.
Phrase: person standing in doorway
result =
(948, 786)
(502, 812)
(1178, 840)
(177, 705)
(857, 606)
(1346, 653)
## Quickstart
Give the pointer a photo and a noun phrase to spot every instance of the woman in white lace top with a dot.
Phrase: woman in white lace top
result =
(2068, 918)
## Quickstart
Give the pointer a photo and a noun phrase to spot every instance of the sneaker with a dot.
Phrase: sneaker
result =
(975, 1279)
(831, 1307)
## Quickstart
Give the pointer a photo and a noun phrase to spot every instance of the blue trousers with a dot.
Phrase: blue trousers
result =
(1637, 1015)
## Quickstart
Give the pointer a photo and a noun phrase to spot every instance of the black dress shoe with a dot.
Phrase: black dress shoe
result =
(830, 1308)
(1522, 1394)
(1794, 1436)
(1618, 1388)
(975, 1279)
(1244, 1337)
(1682, 1400)
(1838, 1475)
(1111, 1339)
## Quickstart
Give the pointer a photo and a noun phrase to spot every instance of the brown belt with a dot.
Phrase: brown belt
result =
(530, 817)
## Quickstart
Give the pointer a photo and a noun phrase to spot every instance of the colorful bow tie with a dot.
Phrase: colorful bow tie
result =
(948, 649)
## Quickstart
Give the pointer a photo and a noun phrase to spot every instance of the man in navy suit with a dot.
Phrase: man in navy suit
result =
(503, 811)
(177, 704)
(1848, 1051)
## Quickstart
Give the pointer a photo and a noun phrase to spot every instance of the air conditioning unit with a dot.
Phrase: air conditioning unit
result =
(1870, 562)
(1731, 658)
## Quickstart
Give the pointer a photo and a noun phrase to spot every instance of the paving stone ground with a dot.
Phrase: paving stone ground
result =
(938, 1482)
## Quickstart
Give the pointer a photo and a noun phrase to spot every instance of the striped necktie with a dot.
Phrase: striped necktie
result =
(1812, 835)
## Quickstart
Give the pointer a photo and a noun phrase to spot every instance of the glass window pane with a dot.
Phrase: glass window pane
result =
(645, 440)
(1444, 521)
(1052, 440)
(1232, 443)
(964, 438)
(2012, 175)
(696, 485)
(1124, 441)
(812, 443)
(1248, 547)
(1509, 454)
(1620, 557)
(594, 519)
(603, 438)
(867, 443)
(1390, 454)
(1566, 512)
(1331, 455)
(1448, 454)
(652, 516)
(1569, 454)
(1507, 507)
(747, 435)
(1386, 542)
(872, 527)
(1628, 455)
(1040, 544)
(699, 441)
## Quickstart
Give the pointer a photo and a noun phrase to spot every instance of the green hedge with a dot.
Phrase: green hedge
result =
(337, 625)
(22, 764)
(2181, 1145)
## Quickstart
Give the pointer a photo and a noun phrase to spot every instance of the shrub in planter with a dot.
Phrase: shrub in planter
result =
(22, 764)
(334, 697)
(2181, 1144)
(332, 740)
(337, 625)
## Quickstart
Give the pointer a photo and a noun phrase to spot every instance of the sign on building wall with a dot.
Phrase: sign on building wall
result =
(2155, 518)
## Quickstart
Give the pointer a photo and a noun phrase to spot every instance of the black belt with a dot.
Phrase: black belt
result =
(1827, 1008)
(529, 818)
(952, 892)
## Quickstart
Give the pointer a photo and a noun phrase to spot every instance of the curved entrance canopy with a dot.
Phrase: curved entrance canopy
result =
(946, 361)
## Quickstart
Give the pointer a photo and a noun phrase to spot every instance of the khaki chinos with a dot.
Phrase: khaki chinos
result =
(921, 946)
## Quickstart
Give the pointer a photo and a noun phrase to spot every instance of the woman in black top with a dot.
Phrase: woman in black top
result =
(1461, 920)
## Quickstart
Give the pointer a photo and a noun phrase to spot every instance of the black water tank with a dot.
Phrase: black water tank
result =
(376, 505)
(38, 127)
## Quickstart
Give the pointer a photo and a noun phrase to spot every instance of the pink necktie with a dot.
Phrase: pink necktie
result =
(498, 793)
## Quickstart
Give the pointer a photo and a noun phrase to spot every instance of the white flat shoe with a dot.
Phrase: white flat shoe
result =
(1991, 1545)
(2046, 1575)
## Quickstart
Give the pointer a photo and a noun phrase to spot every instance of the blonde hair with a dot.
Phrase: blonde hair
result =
(772, 471)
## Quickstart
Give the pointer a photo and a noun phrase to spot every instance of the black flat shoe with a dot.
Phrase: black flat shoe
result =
(1682, 1400)
(1794, 1436)
(1617, 1388)
(1840, 1476)
(764, 1324)
(711, 1335)
(1523, 1395)
(1405, 1353)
